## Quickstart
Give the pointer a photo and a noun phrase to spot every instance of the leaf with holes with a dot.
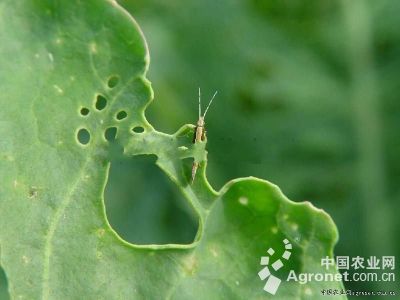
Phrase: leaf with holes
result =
(73, 79)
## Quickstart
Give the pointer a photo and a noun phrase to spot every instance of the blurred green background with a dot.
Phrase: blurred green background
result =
(308, 99)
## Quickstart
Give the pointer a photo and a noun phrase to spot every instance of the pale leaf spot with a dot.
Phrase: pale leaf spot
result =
(25, 259)
(100, 232)
(58, 89)
(213, 251)
(308, 291)
(244, 200)
(93, 47)
(190, 264)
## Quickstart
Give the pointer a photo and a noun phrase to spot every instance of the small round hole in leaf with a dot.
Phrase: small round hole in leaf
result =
(122, 115)
(138, 129)
(112, 81)
(110, 133)
(101, 102)
(84, 111)
(83, 136)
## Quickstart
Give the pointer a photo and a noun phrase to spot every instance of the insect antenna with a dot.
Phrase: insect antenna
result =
(199, 103)
(216, 92)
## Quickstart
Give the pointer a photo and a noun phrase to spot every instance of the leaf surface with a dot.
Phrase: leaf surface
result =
(68, 68)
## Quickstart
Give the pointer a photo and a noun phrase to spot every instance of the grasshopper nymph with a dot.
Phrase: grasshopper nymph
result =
(200, 131)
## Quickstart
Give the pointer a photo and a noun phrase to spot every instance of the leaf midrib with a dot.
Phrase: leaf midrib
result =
(53, 227)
